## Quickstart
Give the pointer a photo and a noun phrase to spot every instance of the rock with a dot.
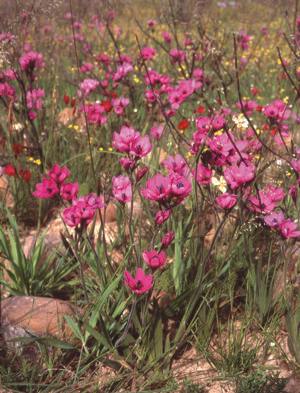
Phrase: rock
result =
(293, 385)
(23, 316)
(5, 195)
(69, 117)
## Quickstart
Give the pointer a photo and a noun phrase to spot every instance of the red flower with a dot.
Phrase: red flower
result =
(10, 170)
(200, 109)
(254, 91)
(73, 102)
(25, 175)
(106, 105)
(183, 124)
(66, 99)
(17, 148)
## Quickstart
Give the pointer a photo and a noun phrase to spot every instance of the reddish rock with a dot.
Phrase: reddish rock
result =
(38, 316)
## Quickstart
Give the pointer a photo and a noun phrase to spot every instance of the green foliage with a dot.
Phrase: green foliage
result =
(259, 381)
(36, 274)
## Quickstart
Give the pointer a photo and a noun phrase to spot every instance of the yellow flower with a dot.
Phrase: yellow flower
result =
(136, 79)
(220, 132)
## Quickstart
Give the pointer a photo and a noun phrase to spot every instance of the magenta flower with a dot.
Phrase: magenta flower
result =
(59, 174)
(156, 131)
(83, 210)
(34, 99)
(124, 140)
(141, 172)
(139, 284)
(155, 259)
(162, 216)
(148, 53)
(122, 189)
(127, 163)
(203, 175)
(46, 189)
(87, 86)
(167, 239)
(122, 71)
(177, 55)
(6, 90)
(288, 229)
(226, 200)
(180, 186)
(266, 200)
(140, 147)
(95, 113)
(93, 201)
(119, 105)
(274, 219)
(158, 188)
(31, 61)
(243, 40)
(69, 191)
(176, 164)
(166, 37)
(296, 165)
(239, 175)
(218, 122)
(86, 67)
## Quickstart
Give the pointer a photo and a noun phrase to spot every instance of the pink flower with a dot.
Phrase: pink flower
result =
(296, 165)
(69, 191)
(131, 142)
(155, 259)
(166, 37)
(119, 104)
(226, 200)
(141, 172)
(124, 140)
(6, 90)
(83, 210)
(218, 122)
(162, 216)
(59, 174)
(156, 131)
(274, 219)
(139, 284)
(266, 200)
(122, 71)
(140, 147)
(87, 86)
(180, 186)
(30, 61)
(238, 175)
(243, 39)
(203, 174)
(158, 188)
(167, 239)
(151, 23)
(86, 67)
(176, 164)
(46, 189)
(177, 55)
(148, 53)
(288, 228)
(34, 99)
(71, 217)
(122, 189)
(95, 113)
(127, 163)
